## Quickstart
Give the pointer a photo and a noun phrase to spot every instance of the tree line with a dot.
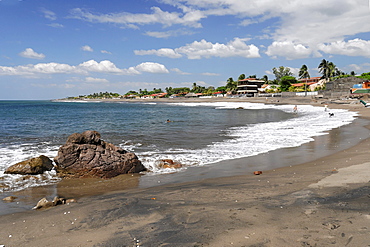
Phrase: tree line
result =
(281, 83)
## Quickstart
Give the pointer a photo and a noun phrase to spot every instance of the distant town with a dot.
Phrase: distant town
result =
(252, 86)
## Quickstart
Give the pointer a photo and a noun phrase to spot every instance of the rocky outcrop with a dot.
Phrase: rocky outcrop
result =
(86, 155)
(168, 163)
(32, 166)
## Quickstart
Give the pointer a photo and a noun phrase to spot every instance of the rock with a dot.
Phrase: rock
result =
(43, 203)
(32, 166)
(257, 172)
(71, 201)
(168, 163)
(9, 198)
(86, 155)
(58, 200)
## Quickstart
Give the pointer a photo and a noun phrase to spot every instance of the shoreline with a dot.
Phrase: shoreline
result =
(217, 211)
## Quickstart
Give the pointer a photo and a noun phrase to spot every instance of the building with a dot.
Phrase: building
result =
(310, 80)
(249, 86)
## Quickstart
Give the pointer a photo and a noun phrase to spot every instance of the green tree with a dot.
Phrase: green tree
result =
(281, 72)
(221, 89)
(327, 69)
(231, 85)
(241, 77)
(286, 82)
(303, 74)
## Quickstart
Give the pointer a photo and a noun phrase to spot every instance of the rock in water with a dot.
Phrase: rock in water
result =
(86, 155)
(32, 166)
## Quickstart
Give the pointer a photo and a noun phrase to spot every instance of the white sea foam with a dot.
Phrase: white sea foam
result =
(255, 139)
(246, 141)
(16, 153)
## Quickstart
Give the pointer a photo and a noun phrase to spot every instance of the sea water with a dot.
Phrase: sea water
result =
(196, 134)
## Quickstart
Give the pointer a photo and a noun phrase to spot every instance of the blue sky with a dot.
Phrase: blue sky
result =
(53, 49)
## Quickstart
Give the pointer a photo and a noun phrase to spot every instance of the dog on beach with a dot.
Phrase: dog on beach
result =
(331, 114)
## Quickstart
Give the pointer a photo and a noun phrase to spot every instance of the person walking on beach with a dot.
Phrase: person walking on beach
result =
(295, 109)
(326, 107)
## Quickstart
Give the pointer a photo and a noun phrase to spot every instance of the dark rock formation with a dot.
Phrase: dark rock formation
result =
(32, 166)
(86, 155)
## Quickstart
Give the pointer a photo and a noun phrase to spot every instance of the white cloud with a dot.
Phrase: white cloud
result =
(302, 25)
(355, 47)
(87, 48)
(105, 52)
(53, 85)
(102, 67)
(152, 68)
(178, 71)
(210, 74)
(30, 53)
(167, 34)
(84, 68)
(41, 68)
(130, 20)
(141, 84)
(163, 52)
(96, 80)
(289, 50)
(205, 49)
(49, 14)
(358, 68)
(56, 25)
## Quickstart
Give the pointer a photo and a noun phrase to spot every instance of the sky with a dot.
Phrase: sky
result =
(54, 49)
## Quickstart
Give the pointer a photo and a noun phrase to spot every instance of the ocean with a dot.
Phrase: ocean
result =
(198, 134)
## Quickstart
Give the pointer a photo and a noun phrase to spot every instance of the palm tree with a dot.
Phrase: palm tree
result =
(231, 85)
(324, 69)
(241, 77)
(327, 69)
(303, 73)
(332, 69)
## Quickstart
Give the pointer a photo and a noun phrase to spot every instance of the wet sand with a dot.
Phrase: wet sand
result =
(319, 201)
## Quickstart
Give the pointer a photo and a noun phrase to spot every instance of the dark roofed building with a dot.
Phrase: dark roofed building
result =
(249, 86)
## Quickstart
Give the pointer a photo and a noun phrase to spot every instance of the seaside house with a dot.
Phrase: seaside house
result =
(310, 80)
(218, 94)
(158, 95)
(249, 86)
(311, 83)
(193, 95)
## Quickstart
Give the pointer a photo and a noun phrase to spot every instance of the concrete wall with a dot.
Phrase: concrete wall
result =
(340, 87)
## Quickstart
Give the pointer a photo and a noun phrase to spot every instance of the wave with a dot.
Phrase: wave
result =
(244, 141)
(254, 139)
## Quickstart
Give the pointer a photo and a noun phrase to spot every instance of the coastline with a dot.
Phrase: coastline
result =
(224, 211)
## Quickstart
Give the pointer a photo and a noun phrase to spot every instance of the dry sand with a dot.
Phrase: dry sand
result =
(324, 202)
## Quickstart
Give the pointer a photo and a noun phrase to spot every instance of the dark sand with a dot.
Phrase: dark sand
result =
(316, 200)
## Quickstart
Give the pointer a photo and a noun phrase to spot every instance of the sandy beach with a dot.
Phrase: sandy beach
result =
(320, 202)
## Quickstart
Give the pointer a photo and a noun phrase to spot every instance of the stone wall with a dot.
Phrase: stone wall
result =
(341, 87)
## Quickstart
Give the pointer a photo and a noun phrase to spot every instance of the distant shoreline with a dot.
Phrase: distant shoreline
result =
(296, 201)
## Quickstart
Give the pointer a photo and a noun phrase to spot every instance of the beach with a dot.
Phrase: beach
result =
(319, 201)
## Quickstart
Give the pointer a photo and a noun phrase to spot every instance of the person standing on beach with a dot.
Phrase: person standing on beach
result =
(295, 109)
